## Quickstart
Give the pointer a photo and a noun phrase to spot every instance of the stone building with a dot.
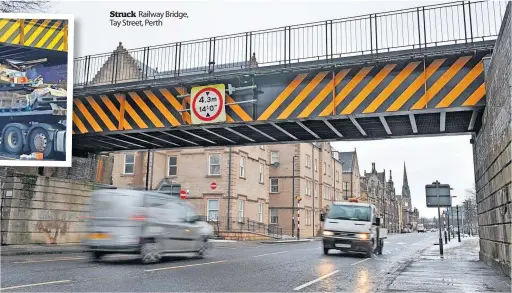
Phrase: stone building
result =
(351, 187)
(259, 188)
(395, 210)
(240, 175)
(311, 171)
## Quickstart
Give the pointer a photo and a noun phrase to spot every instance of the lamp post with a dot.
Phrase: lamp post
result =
(458, 227)
(293, 194)
(437, 183)
(451, 213)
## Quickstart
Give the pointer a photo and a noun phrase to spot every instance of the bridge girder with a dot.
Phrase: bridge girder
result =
(389, 98)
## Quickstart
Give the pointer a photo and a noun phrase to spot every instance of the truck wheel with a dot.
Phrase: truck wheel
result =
(39, 142)
(381, 245)
(13, 140)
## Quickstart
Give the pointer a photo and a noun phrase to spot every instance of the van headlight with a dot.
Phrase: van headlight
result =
(328, 233)
(363, 236)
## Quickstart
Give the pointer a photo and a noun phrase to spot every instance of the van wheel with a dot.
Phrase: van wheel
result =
(205, 248)
(150, 253)
(97, 255)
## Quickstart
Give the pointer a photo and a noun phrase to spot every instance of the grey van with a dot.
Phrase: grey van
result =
(147, 223)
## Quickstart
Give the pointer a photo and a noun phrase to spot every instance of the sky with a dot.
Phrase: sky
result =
(447, 159)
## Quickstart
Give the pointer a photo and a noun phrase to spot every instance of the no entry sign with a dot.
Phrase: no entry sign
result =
(207, 104)
(213, 185)
(183, 194)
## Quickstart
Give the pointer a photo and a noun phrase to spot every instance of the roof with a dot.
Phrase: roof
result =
(347, 158)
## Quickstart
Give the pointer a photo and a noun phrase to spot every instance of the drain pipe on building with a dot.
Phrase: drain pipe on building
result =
(229, 188)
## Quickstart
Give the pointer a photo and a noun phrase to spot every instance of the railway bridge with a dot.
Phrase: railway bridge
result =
(407, 73)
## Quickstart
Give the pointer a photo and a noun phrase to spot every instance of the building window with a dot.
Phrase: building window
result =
(308, 217)
(316, 165)
(316, 189)
(213, 210)
(260, 212)
(261, 173)
(173, 166)
(214, 164)
(308, 161)
(274, 219)
(240, 210)
(308, 187)
(325, 168)
(337, 176)
(274, 157)
(242, 167)
(129, 163)
(274, 185)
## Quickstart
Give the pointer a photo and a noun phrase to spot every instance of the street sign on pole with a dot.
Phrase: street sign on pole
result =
(213, 185)
(183, 194)
(207, 104)
(444, 199)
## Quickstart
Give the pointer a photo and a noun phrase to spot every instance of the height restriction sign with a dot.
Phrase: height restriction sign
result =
(208, 104)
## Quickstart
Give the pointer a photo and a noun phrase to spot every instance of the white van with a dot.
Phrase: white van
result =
(147, 223)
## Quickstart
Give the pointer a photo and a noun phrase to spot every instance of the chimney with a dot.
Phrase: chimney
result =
(373, 167)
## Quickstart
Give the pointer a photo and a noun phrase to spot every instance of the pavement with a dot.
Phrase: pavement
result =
(257, 267)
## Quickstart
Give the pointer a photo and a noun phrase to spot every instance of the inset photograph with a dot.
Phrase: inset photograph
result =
(36, 91)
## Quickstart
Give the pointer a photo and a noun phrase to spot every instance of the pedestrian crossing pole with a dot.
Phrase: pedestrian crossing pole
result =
(298, 216)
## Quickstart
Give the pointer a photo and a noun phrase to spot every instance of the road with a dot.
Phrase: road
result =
(230, 267)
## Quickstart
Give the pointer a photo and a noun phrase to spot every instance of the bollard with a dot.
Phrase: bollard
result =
(445, 238)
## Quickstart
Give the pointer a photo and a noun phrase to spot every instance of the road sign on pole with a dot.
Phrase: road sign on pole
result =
(183, 194)
(207, 104)
(213, 185)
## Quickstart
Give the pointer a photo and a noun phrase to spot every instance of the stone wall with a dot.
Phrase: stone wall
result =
(492, 157)
(42, 210)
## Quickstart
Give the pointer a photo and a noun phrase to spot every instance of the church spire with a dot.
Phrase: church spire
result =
(405, 185)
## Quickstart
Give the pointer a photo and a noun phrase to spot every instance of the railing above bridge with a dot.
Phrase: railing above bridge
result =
(373, 34)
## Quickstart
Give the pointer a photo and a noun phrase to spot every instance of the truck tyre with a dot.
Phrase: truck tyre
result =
(12, 140)
(39, 141)
(381, 245)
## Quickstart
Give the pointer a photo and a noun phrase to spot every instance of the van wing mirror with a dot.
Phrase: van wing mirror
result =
(377, 221)
(322, 217)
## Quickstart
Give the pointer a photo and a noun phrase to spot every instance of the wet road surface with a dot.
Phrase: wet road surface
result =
(230, 267)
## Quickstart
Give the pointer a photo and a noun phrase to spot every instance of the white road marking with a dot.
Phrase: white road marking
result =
(185, 266)
(37, 284)
(49, 260)
(357, 262)
(400, 243)
(272, 253)
(284, 252)
(316, 280)
(387, 242)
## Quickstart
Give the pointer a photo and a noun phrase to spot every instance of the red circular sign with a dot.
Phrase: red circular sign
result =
(219, 108)
(213, 185)
(183, 194)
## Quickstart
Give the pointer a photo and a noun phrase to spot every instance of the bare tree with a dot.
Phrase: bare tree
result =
(24, 6)
(470, 210)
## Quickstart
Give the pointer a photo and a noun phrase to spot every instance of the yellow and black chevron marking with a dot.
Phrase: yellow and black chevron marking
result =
(438, 83)
(48, 34)
(145, 109)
